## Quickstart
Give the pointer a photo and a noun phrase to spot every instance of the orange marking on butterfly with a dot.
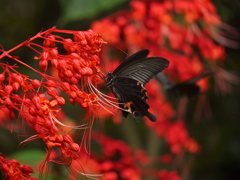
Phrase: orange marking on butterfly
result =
(139, 83)
(128, 106)
(144, 97)
(134, 112)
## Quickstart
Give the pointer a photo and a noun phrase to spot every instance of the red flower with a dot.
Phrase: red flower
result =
(14, 171)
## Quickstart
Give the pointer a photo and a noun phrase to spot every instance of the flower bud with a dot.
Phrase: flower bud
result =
(52, 92)
(16, 86)
(36, 83)
(2, 77)
(60, 100)
(8, 89)
(74, 147)
(67, 138)
(68, 73)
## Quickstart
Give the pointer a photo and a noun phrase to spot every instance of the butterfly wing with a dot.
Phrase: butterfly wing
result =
(184, 89)
(142, 69)
(188, 88)
(135, 57)
(132, 96)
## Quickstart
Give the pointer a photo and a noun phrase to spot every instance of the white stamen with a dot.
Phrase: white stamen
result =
(53, 118)
(104, 99)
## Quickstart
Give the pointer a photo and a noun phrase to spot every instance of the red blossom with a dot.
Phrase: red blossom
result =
(166, 159)
(125, 165)
(12, 170)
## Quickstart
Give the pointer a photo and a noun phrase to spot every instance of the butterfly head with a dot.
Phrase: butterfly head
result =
(109, 78)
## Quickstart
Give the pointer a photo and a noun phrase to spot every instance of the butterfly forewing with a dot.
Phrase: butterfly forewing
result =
(135, 57)
(143, 70)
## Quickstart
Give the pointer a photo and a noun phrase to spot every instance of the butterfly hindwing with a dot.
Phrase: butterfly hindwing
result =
(132, 97)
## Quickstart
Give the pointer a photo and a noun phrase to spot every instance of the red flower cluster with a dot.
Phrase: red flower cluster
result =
(77, 69)
(14, 171)
(116, 160)
(178, 138)
(119, 159)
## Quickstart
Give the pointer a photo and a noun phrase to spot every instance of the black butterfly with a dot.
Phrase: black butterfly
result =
(187, 88)
(128, 80)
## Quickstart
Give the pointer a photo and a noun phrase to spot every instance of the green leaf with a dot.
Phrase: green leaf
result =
(29, 156)
(81, 9)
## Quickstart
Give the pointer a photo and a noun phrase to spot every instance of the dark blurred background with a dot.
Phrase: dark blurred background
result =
(219, 136)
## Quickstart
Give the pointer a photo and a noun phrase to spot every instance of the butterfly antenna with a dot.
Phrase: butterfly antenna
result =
(118, 48)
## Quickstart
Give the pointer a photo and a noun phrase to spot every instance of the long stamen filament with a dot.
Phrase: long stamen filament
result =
(103, 98)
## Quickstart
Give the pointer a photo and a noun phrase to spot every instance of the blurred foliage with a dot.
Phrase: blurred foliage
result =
(218, 133)
(75, 10)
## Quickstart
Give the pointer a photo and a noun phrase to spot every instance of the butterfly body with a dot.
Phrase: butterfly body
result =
(127, 82)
